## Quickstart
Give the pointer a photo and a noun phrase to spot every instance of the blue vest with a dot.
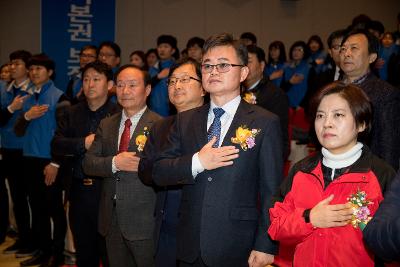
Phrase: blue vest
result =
(8, 138)
(158, 99)
(385, 53)
(270, 68)
(40, 131)
(297, 92)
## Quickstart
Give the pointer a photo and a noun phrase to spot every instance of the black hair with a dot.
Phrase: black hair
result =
(335, 35)
(167, 39)
(282, 51)
(99, 67)
(21, 54)
(258, 51)
(317, 39)
(195, 41)
(303, 45)
(112, 45)
(373, 42)
(186, 61)
(249, 35)
(226, 39)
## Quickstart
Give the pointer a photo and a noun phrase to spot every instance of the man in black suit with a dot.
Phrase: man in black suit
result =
(185, 92)
(228, 172)
(73, 137)
(126, 204)
(262, 92)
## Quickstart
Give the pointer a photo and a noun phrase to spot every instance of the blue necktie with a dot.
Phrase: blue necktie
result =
(215, 127)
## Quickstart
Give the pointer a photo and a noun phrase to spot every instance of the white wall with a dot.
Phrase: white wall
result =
(139, 22)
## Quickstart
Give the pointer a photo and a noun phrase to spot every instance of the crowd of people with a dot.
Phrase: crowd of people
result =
(178, 159)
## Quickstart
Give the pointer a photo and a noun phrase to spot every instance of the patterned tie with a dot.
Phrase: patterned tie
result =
(215, 127)
(125, 137)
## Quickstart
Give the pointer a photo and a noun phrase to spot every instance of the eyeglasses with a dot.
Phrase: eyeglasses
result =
(106, 55)
(221, 67)
(131, 85)
(184, 79)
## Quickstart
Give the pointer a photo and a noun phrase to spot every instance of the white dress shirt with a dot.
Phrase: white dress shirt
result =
(230, 109)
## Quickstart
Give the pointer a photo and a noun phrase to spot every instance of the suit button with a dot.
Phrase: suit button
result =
(209, 179)
(118, 179)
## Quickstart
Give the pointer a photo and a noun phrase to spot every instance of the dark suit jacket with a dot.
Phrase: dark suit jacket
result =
(275, 100)
(135, 201)
(155, 143)
(223, 212)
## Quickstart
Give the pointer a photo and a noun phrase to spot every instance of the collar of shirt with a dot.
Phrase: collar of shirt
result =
(24, 85)
(254, 85)
(358, 80)
(134, 119)
(230, 109)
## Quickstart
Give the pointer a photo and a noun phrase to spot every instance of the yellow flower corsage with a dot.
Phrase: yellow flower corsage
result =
(245, 137)
(141, 139)
(250, 98)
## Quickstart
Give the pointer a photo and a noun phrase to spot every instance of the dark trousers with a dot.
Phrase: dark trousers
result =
(13, 166)
(198, 263)
(83, 214)
(3, 205)
(127, 253)
(166, 245)
(46, 202)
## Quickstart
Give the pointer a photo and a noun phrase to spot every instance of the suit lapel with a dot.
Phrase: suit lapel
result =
(200, 125)
(242, 117)
(145, 120)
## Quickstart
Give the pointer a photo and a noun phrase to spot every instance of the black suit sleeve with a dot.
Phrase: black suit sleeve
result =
(172, 158)
(382, 232)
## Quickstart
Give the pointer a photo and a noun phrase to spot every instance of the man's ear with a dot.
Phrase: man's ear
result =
(372, 57)
(148, 89)
(244, 71)
(110, 85)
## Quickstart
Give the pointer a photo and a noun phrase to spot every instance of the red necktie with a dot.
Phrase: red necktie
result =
(125, 137)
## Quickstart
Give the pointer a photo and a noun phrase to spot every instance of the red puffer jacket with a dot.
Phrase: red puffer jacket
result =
(303, 245)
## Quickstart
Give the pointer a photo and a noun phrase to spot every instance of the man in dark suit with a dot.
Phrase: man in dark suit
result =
(73, 137)
(358, 51)
(229, 173)
(262, 92)
(126, 204)
(185, 92)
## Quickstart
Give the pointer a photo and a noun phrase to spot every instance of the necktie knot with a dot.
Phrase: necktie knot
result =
(218, 112)
(128, 123)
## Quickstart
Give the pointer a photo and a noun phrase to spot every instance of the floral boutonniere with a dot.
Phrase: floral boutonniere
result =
(245, 137)
(250, 98)
(361, 213)
(141, 139)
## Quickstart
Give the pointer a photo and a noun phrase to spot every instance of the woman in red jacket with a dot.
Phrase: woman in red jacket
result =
(328, 198)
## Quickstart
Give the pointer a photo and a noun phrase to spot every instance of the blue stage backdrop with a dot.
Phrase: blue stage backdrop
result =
(68, 25)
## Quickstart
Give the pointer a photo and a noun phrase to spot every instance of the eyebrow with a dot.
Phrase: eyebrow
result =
(218, 59)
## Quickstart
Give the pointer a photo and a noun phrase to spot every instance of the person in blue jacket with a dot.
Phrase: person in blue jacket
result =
(382, 233)
(158, 100)
(37, 123)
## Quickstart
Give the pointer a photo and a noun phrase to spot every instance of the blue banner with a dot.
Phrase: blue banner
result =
(68, 25)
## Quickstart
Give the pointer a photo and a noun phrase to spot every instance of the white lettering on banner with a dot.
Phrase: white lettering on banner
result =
(80, 29)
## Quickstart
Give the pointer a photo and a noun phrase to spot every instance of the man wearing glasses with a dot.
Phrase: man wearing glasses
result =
(227, 156)
(126, 204)
(74, 88)
(185, 92)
